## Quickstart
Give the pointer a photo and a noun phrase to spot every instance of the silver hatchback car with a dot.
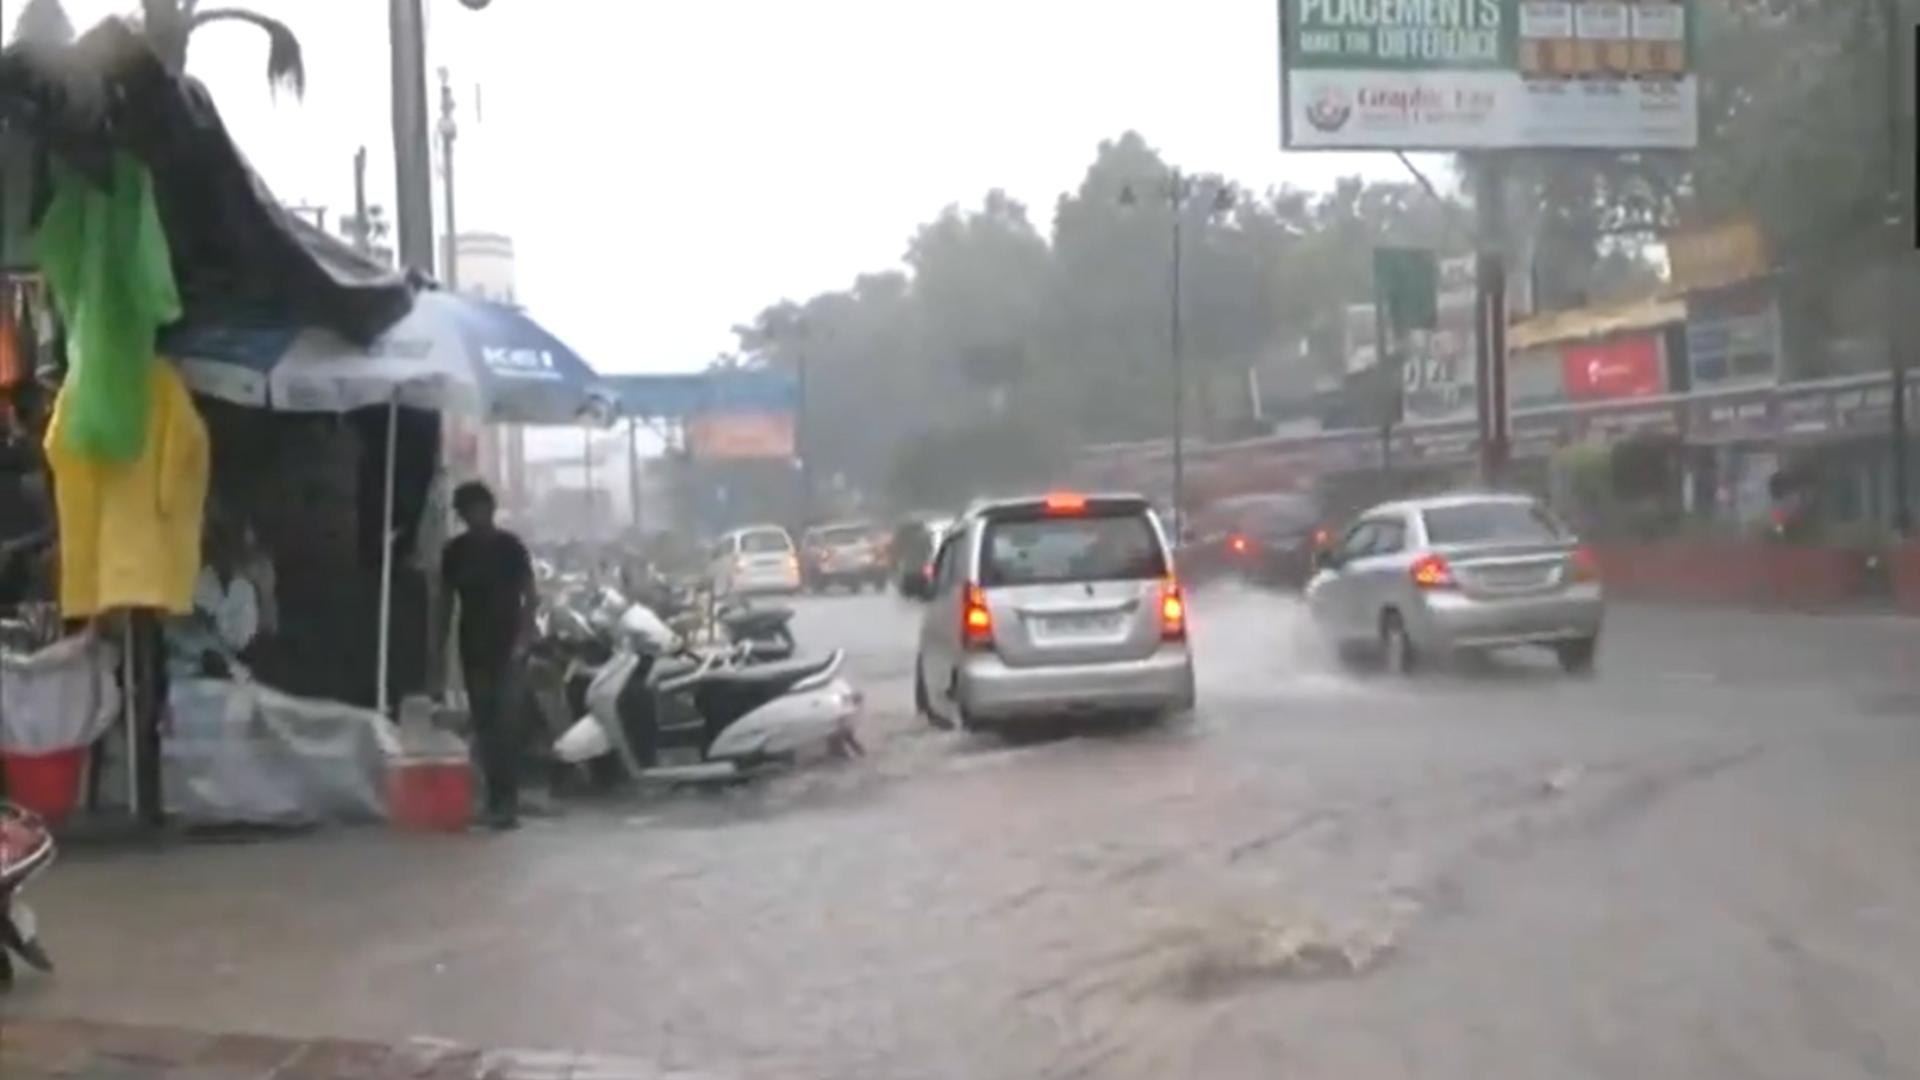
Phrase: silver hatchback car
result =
(1458, 573)
(1053, 605)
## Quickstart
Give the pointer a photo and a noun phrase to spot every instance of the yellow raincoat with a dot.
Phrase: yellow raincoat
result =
(130, 531)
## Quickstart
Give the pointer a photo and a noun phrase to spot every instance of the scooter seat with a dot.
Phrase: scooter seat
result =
(673, 667)
(783, 674)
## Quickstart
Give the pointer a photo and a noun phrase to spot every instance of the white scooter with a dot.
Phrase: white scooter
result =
(736, 718)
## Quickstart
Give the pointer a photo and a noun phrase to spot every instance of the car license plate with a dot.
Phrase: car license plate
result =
(1080, 624)
(1515, 577)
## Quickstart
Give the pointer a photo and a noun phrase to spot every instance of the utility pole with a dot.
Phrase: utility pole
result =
(1490, 316)
(449, 132)
(633, 476)
(803, 443)
(412, 144)
(1176, 353)
(360, 229)
(1900, 240)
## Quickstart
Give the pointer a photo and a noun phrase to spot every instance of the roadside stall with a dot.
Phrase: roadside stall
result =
(147, 213)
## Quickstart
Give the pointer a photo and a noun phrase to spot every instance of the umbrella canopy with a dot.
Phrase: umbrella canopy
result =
(451, 353)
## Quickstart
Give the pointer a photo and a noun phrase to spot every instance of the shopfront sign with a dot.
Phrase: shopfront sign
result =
(1615, 368)
(1535, 379)
(1733, 340)
(1437, 379)
(1613, 423)
(1730, 417)
(1718, 257)
(1436, 444)
(1487, 74)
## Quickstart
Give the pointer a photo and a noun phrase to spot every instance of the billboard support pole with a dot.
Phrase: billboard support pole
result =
(1490, 308)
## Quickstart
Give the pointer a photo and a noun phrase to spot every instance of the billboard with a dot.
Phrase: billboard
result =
(1614, 368)
(741, 436)
(680, 396)
(1488, 75)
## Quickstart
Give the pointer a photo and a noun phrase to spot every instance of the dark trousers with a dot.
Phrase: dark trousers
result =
(493, 702)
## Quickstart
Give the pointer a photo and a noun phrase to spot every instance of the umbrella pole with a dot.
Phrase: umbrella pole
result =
(385, 647)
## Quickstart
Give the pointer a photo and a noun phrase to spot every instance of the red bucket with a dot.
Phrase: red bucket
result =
(47, 784)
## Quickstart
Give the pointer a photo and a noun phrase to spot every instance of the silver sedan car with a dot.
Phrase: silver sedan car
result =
(1427, 578)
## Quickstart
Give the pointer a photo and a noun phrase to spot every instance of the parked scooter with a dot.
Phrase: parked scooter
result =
(26, 850)
(735, 718)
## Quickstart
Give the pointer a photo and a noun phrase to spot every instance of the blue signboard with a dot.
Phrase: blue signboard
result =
(733, 391)
(659, 397)
(683, 395)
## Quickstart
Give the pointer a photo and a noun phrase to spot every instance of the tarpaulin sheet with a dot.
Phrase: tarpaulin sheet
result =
(238, 752)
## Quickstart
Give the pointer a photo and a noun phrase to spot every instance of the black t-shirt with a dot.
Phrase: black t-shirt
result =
(489, 574)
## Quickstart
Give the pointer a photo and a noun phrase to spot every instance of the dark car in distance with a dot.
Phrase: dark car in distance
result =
(1267, 539)
(911, 549)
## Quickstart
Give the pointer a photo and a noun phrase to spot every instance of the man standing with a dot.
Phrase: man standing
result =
(489, 572)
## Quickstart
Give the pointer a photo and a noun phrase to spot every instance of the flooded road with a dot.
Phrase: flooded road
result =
(1700, 862)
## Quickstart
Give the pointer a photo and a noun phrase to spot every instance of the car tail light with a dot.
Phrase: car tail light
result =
(1321, 538)
(1066, 504)
(1238, 543)
(1584, 565)
(1173, 612)
(926, 572)
(1431, 572)
(976, 622)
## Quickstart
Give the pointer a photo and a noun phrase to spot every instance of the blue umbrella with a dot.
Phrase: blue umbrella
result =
(451, 353)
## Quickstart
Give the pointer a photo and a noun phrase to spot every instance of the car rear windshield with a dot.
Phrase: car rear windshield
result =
(843, 535)
(765, 542)
(1045, 550)
(1492, 523)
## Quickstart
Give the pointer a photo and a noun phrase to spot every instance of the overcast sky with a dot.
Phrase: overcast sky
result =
(666, 169)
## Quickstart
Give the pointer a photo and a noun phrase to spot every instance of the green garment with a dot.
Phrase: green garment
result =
(107, 264)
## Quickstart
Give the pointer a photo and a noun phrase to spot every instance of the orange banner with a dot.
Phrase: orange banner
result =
(740, 436)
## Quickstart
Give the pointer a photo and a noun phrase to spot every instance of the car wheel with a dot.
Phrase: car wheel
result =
(924, 707)
(1396, 648)
(1577, 656)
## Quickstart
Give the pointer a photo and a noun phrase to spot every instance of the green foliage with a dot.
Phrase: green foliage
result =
(997, 324)
(946, 467)
(1802, 132)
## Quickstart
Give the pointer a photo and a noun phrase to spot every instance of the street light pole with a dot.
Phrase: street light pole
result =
(1178, 194)
(1897, 31)
(1176, 350)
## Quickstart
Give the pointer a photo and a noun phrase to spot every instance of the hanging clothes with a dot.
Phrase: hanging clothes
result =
(15, 367)
(130, 532)
(105, 258)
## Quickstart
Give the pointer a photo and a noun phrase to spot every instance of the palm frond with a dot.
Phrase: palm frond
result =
(43, 24)
(286, 63)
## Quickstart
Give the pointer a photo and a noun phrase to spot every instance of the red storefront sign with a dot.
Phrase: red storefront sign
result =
(1627, 367)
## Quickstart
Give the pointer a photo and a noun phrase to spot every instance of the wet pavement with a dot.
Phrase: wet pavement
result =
(1695, 863)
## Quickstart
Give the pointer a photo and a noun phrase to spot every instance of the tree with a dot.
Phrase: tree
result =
(1802, 133)
(996, 347)
(169, 26)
